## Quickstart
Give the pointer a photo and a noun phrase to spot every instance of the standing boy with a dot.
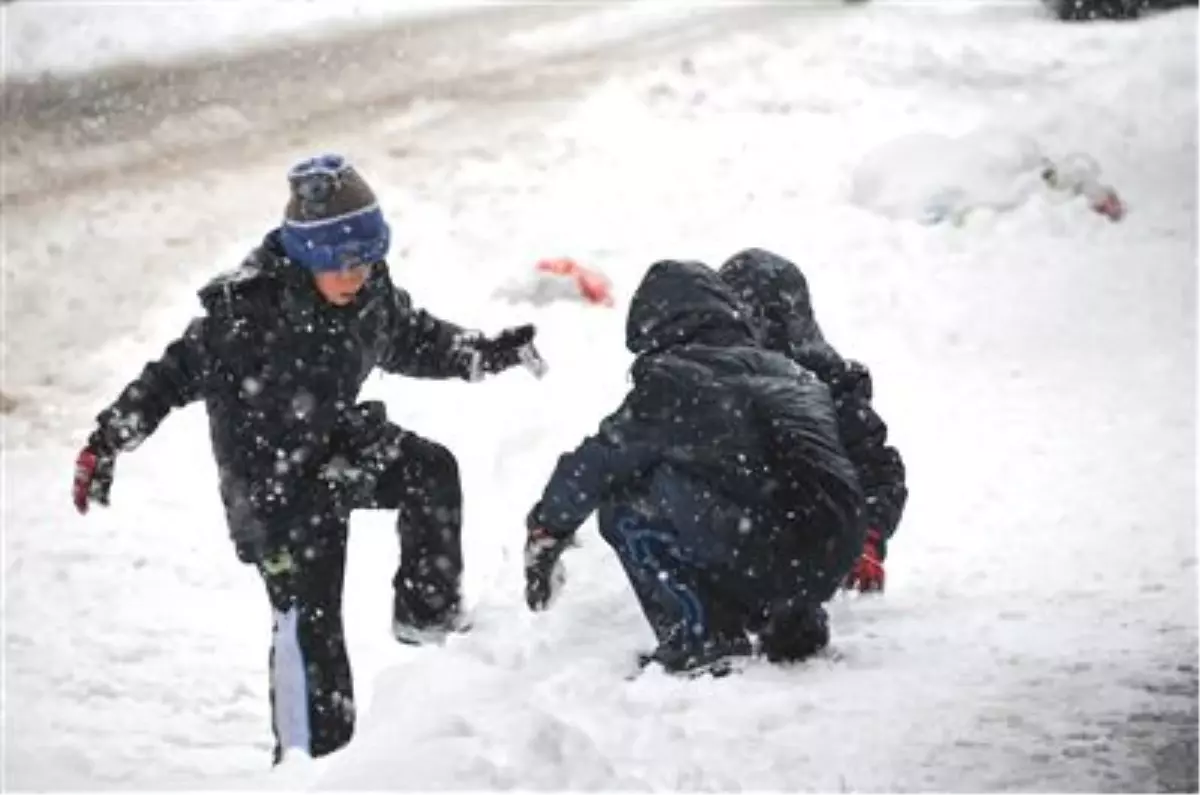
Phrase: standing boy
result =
(278, 357)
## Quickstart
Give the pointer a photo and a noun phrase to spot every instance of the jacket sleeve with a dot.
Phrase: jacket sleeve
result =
(601, 465)
(421, 345)
(173, 381)
(865, 436)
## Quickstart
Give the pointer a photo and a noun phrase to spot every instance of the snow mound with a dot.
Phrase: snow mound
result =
(932, 178)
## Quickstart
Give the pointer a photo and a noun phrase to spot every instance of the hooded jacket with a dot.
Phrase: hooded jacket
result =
(279, 370)
(775, 290)
(695, 440)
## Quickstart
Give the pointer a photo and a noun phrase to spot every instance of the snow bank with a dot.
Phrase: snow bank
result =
(931, 178)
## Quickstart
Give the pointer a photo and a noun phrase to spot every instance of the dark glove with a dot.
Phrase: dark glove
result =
(509, 348)
(93, 474)
(867, 575)
(544, 574)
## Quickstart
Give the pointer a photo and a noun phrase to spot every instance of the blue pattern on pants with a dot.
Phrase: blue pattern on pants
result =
(649, 551)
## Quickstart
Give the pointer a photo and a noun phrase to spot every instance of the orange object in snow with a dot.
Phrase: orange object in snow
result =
(1108, 203)
(593, 286)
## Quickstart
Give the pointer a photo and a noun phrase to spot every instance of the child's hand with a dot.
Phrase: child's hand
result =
(509, 348)
(868, 575)
(93, 476)
(544, 574)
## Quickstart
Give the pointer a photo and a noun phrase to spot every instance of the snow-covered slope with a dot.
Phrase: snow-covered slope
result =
(1037, 369)
(69, 38)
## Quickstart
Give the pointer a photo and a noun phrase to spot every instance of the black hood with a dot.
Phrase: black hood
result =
(777, 292)
(681, 302)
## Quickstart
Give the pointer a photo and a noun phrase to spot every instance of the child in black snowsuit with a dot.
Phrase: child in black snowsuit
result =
(720, 483)
(278, 357)
(777, 292)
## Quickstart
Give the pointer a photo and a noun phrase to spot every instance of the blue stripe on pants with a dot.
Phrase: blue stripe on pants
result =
(658, 572)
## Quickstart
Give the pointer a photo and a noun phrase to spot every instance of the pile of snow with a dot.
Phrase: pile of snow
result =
(931, 178)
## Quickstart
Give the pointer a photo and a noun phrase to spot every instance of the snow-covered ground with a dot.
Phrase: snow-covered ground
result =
(72, 37)
(66, 37)
(1037, 368)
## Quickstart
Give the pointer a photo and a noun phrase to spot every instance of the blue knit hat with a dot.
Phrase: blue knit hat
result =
(332, 220)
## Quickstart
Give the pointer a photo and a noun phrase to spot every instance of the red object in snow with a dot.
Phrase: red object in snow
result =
(1079, 173)
(593, 285)
(1108, 203)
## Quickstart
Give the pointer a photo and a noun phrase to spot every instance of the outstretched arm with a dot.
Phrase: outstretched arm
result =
(173, 381)
(421, 345)
(590, 474)
(583, 479)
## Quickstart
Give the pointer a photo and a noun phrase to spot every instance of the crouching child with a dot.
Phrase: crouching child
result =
(776, 291)
(720, 483)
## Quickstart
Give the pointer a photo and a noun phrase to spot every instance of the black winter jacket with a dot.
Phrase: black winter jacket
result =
(279, 370)
(777, 292)
(695, 437)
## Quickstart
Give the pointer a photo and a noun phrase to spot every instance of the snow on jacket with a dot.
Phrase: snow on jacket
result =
(777, 292)
(279, 370)
(695, 438)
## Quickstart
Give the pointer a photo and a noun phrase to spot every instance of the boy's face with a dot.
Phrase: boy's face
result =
(340, 287)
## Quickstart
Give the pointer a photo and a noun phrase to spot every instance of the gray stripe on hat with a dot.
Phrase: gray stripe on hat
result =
(332, 220)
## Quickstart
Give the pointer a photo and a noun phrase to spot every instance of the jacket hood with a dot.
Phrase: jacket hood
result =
(777, 293)
(680, 302)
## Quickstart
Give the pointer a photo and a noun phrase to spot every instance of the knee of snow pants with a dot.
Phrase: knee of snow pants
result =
(424, 485)
(811, 560)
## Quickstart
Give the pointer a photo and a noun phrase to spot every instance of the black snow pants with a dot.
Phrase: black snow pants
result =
(311, 687)
(703, 583)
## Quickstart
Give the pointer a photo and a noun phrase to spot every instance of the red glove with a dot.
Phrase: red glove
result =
(93, 477)
(867, 575)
